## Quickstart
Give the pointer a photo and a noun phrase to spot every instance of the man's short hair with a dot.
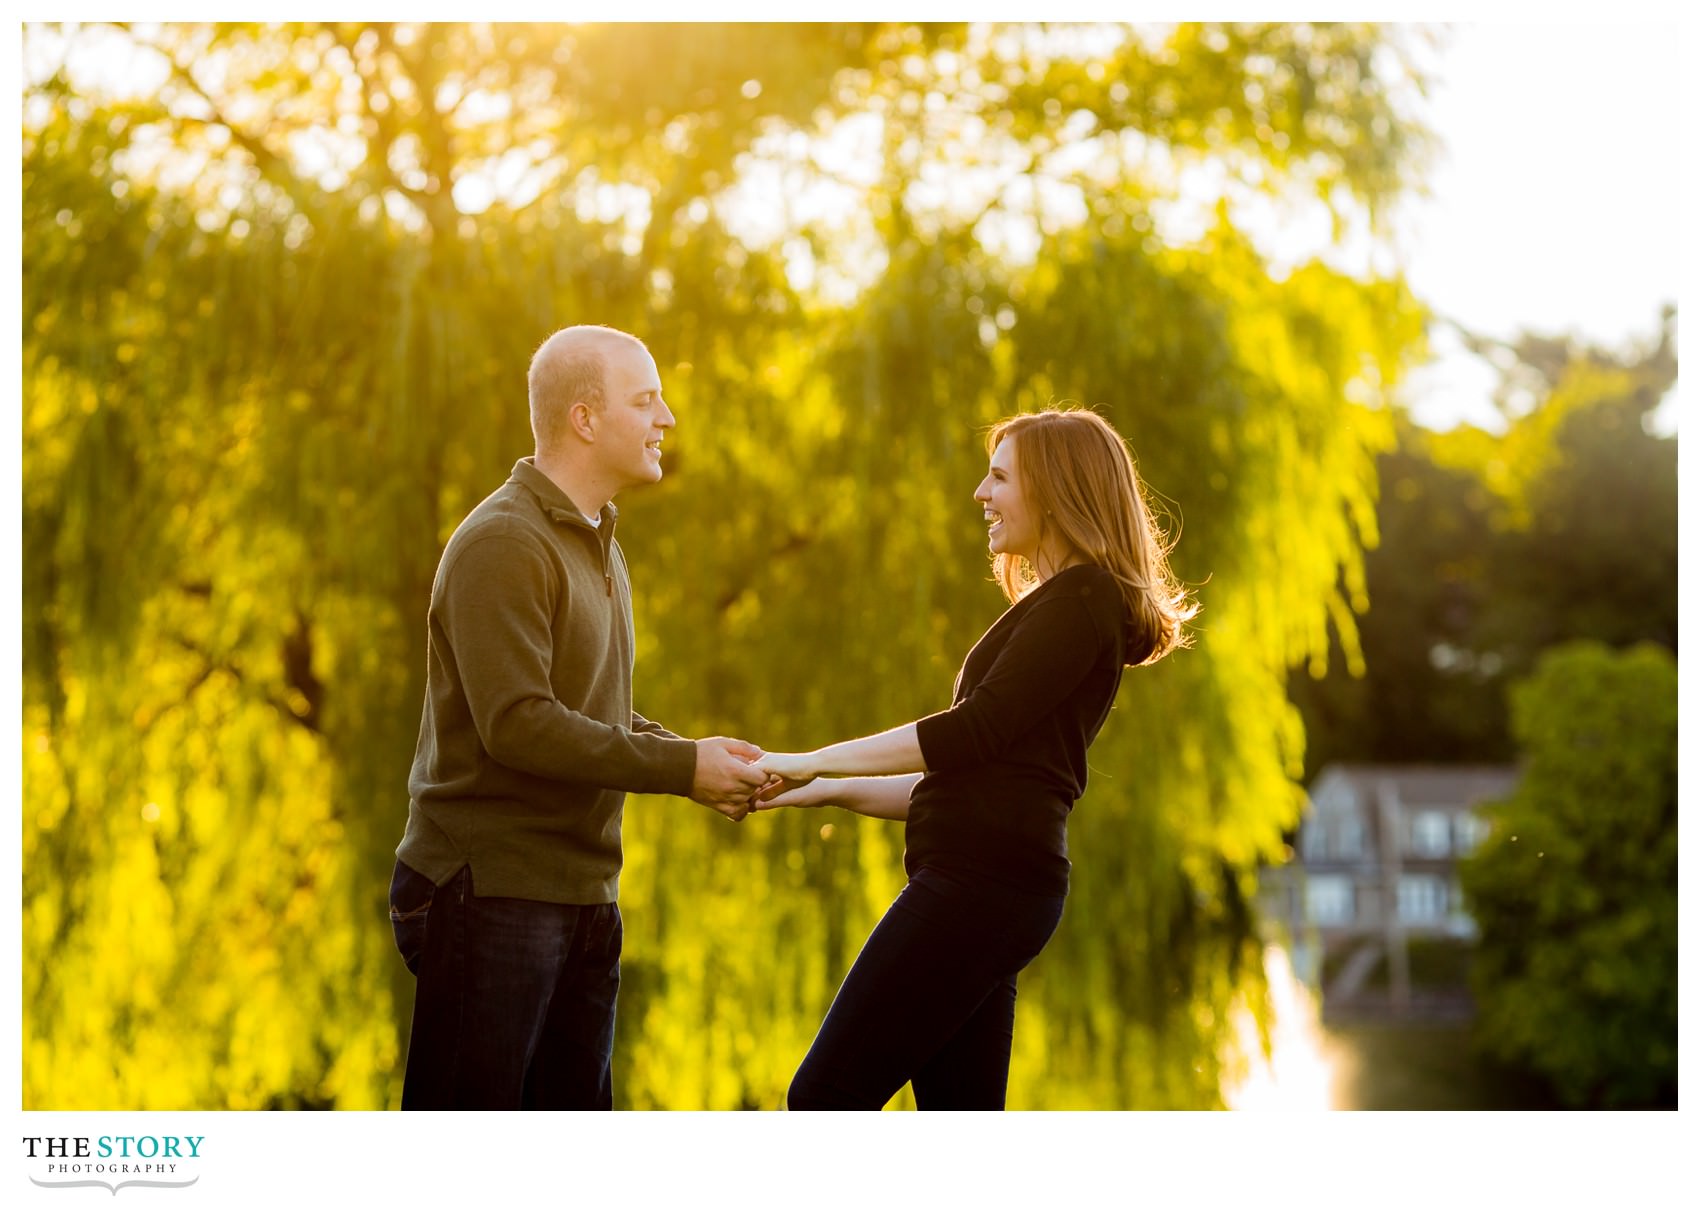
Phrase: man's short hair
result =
(567, 369)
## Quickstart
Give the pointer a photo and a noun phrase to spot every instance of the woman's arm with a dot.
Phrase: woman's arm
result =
(886, 798)
(894, 751)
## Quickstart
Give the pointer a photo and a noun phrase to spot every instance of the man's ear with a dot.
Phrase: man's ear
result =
(582, 418)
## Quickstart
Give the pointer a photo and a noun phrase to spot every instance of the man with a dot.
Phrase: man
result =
(503, 899)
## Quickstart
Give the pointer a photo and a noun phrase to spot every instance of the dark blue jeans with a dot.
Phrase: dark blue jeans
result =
(515, 1007)
(930, 1000)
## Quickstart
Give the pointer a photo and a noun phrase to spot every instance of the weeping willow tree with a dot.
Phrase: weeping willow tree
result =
(277, 310)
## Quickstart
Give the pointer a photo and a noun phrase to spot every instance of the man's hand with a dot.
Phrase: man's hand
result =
(726, 778)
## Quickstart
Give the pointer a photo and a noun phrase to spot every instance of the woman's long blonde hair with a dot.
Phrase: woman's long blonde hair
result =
(1078, 477)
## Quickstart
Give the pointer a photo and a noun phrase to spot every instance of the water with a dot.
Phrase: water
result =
(1304, 1069)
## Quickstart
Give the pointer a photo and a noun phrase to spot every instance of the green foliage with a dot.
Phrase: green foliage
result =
(1495, 547)
(1597, 555)
(1308, 100)
(1575, 890)
(260, 392)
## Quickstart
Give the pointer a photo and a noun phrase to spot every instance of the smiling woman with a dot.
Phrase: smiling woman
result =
(931, 999)
(1011, 526)
(1071, 479)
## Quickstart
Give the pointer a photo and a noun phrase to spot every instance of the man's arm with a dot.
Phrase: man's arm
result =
(651, 728)
(494, 609)
(723, 778)
(496, 613)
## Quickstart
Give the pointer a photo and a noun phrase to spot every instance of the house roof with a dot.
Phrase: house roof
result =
(1460, 785)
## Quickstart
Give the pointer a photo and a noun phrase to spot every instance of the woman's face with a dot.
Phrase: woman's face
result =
(1012, 527)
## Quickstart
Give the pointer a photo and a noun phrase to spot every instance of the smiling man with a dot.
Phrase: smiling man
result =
(503, 898)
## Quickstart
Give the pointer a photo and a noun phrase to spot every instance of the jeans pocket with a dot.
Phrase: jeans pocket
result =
(410, 906)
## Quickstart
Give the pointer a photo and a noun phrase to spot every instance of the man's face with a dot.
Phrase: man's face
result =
(633, 419)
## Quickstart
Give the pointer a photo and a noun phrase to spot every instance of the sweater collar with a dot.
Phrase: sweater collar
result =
(556, 504)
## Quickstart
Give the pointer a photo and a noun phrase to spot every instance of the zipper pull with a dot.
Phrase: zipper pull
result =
(609, 577)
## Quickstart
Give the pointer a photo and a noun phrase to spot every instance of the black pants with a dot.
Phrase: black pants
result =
(930, 1000)
(515, 1008)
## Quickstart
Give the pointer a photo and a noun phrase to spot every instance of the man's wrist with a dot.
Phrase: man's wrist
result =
(679, 758)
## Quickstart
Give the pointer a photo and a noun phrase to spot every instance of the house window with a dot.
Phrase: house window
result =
(1430, 835)
(1422, 898)
(1329, 900)
(1471, 829)
(1313, 839)
(1349, 843)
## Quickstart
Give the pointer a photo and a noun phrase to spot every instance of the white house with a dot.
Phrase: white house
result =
(1376, 861)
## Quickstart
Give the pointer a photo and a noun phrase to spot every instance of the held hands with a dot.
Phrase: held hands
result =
(793, 768)
(735, 778)
(727, 777)
(787, 776)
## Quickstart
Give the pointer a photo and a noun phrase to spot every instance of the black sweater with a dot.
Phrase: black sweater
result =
(1007, 761)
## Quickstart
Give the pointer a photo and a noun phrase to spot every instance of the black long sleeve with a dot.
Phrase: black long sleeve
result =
(1007, 761)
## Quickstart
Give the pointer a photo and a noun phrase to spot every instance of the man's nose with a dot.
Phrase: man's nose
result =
(665, 418)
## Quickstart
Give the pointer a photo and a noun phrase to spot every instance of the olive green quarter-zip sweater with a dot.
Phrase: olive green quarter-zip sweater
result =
(529, 743)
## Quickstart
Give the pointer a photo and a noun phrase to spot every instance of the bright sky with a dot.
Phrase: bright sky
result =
(1555, 204)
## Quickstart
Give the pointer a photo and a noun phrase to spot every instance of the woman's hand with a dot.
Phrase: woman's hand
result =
(782, 793)
(794, 768)
(787, 775)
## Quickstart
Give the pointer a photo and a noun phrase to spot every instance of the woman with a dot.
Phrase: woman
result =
(931, 998)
